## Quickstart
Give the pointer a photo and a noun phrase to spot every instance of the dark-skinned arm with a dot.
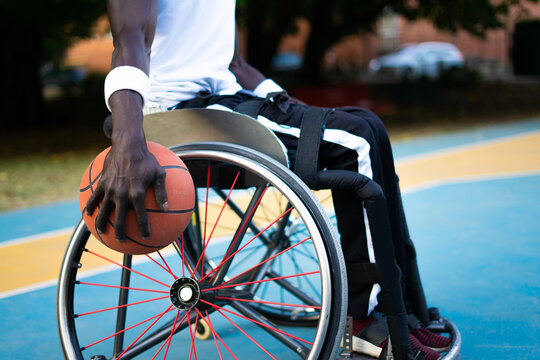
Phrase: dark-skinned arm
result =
(129, 168)
(246, 75)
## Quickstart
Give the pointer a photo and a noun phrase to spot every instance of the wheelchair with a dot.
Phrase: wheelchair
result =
(258, 273)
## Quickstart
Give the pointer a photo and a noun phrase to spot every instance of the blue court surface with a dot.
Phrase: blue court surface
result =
(472, 200)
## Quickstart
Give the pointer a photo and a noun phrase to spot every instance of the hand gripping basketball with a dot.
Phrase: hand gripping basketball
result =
(165, 225)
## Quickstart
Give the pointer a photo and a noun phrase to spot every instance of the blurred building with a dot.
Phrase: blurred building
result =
(95, 53)
(491, 54)
(488, 54)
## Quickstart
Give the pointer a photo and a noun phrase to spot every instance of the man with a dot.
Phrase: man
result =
(179, 54)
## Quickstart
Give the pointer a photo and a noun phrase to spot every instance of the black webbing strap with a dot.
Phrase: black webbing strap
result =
(250, 107)
(362, 273)
(307, 154)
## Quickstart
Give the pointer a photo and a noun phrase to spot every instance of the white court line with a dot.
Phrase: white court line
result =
(462, 148)
(38, 237)
(97, 271)
(466, 179)
(82, 275)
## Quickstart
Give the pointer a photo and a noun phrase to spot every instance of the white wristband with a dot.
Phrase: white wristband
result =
(266, 87)
(126, 78)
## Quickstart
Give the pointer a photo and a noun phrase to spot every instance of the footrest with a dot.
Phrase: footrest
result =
(347, 343)
(356, 356)
(454, 353)
(442, 325)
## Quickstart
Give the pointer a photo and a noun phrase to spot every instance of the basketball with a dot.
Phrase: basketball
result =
(165, 226)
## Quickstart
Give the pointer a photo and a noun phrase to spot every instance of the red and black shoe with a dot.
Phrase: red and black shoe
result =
(369, 336)
(432, 340)
(427, 338)
(422, 352)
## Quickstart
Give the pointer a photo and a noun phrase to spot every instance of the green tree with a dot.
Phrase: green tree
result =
(332, 20)
(33, 32)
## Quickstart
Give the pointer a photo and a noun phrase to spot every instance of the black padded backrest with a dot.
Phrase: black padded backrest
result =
(184, 126)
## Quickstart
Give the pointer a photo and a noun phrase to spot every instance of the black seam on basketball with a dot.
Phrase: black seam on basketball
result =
(92, 182)
(169, 211)
(99, 235)
(135, 241)
(90, 176)
(166, 167)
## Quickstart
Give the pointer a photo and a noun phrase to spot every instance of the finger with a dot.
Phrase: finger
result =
(120, 219)
(160, 191)
(94, 199)
(137, 199)
(107, 205)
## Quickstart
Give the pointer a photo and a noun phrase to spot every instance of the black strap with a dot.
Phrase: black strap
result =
(307, 155)
(362, 273)
(250, 107)
(375, 333)
(253, 107)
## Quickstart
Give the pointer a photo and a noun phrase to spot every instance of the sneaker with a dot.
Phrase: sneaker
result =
(420, 351)
(369, 336)
(429, 339)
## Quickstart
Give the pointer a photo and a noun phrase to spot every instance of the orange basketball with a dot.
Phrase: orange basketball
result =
(165, 227)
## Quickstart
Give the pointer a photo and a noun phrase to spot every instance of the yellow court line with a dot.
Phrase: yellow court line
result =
(35, 262)
(516, 155)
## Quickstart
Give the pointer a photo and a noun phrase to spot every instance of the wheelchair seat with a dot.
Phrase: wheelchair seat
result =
(186, 126)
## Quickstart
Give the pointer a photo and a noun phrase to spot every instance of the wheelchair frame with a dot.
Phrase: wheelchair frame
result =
(239, 149)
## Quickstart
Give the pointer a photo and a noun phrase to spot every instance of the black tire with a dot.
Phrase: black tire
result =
(257, 170)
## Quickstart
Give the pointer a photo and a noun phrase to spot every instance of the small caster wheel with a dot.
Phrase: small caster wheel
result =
(203, 331)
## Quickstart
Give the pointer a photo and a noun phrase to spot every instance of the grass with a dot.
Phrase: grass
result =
(41, 178)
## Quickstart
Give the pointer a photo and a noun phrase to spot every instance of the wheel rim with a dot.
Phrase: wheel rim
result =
(177, 317)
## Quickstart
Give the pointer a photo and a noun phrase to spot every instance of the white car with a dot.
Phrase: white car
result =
(415, 60)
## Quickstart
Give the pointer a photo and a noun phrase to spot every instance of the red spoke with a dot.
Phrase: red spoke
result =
(258, 323)
(120, 287)
(194, 331)
(269, 302)
(161, 266)
(120, 306)
(241, 229)
(205, 215)
(168, 341)
(270, 258)
(183, 260)
(180, 249)
(260, 281)
(125, 267)
(219, 337)
(121, 331)
(167, 265)
(212, 330)
(170, 336)
(247, 243)
(192, 349)
(215, 224)
(243, 332)
(144, 332)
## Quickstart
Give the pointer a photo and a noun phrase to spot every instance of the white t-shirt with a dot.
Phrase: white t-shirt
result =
(192, 49)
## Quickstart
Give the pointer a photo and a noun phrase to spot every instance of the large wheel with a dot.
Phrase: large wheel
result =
(260, 265)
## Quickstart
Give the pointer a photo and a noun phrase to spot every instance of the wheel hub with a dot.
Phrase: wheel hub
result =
(185, 293)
